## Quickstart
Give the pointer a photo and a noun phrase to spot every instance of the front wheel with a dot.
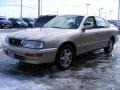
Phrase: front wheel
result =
(1, 27)
(64, 57)
(109, 48)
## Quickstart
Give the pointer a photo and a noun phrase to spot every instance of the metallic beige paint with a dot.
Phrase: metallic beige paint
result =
(84, 41)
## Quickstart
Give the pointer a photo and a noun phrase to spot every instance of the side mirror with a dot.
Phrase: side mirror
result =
(87, 25)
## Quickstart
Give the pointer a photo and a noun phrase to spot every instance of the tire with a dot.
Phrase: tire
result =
(1, 27)
(31, 26)
(64, 57)
(110, 46)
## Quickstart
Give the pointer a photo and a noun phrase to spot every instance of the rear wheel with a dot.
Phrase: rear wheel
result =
(64, 57)
(109, 48)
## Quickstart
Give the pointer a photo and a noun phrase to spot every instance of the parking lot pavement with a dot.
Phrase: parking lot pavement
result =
(91, 71)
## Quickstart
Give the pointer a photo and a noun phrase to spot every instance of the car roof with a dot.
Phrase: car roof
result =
(45, 16)
(72, 15)
(85, 16)
(2, 17)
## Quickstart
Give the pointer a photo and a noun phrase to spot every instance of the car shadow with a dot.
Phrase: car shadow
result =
(91, 59)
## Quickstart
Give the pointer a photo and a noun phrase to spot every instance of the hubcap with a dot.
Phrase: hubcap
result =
(66, 57)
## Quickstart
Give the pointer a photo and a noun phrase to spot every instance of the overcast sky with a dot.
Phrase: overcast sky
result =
(62, 6)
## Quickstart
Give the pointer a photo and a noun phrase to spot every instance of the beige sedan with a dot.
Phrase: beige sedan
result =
(61, 40)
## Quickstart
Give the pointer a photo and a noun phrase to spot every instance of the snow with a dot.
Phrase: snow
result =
(2, 38)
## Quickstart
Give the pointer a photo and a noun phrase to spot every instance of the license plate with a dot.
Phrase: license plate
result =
(10, 53)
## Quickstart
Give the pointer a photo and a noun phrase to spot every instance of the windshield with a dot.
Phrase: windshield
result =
(64, 22)
(19, 20)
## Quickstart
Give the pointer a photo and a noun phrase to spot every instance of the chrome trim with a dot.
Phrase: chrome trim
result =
(21, 42)
(92, 43)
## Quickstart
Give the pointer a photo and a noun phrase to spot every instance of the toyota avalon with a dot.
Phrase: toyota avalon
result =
(61, 40)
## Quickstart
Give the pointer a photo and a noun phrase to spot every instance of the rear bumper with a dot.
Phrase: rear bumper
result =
(30, 56)
(6, 25)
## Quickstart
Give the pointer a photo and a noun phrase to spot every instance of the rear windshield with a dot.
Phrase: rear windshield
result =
(42, 20)
(28, 20)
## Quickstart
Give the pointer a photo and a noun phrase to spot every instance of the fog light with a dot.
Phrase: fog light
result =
(31, 55)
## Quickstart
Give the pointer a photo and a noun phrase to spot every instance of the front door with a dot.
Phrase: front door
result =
(89, 38)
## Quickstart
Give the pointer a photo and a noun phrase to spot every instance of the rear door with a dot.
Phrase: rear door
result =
(102, 31)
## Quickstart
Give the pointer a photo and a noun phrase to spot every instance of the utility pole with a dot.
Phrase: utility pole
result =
(119, 10)
(57, 12)
(87, 5)
(41, 8)
(38, 8)
(100, 11)
(21, 8)
(110, 14)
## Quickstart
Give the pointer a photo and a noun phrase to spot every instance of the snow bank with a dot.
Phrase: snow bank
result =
(2, 38)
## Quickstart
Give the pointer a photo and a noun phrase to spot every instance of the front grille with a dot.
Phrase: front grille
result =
(19, 57)
(6, 24)
(15, 42)
(6, 52)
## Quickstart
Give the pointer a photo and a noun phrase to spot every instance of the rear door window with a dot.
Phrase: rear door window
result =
(101, 23)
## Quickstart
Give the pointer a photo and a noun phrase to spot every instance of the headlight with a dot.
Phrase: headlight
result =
(32, 44)
(6, 39)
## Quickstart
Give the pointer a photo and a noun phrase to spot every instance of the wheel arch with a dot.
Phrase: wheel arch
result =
(113, 38)
(68, 43)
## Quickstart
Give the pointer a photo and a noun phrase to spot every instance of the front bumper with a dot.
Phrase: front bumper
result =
(116, 39)
(30, 55)
(6, 25)
(22, 25)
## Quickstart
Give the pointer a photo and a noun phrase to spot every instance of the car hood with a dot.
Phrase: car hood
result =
(5, 21)
(38, 34)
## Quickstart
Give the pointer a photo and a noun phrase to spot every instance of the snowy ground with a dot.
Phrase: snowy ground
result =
(97, 71)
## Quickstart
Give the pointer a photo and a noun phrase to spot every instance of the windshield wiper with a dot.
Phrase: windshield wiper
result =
(54, 27)
(58, 27)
